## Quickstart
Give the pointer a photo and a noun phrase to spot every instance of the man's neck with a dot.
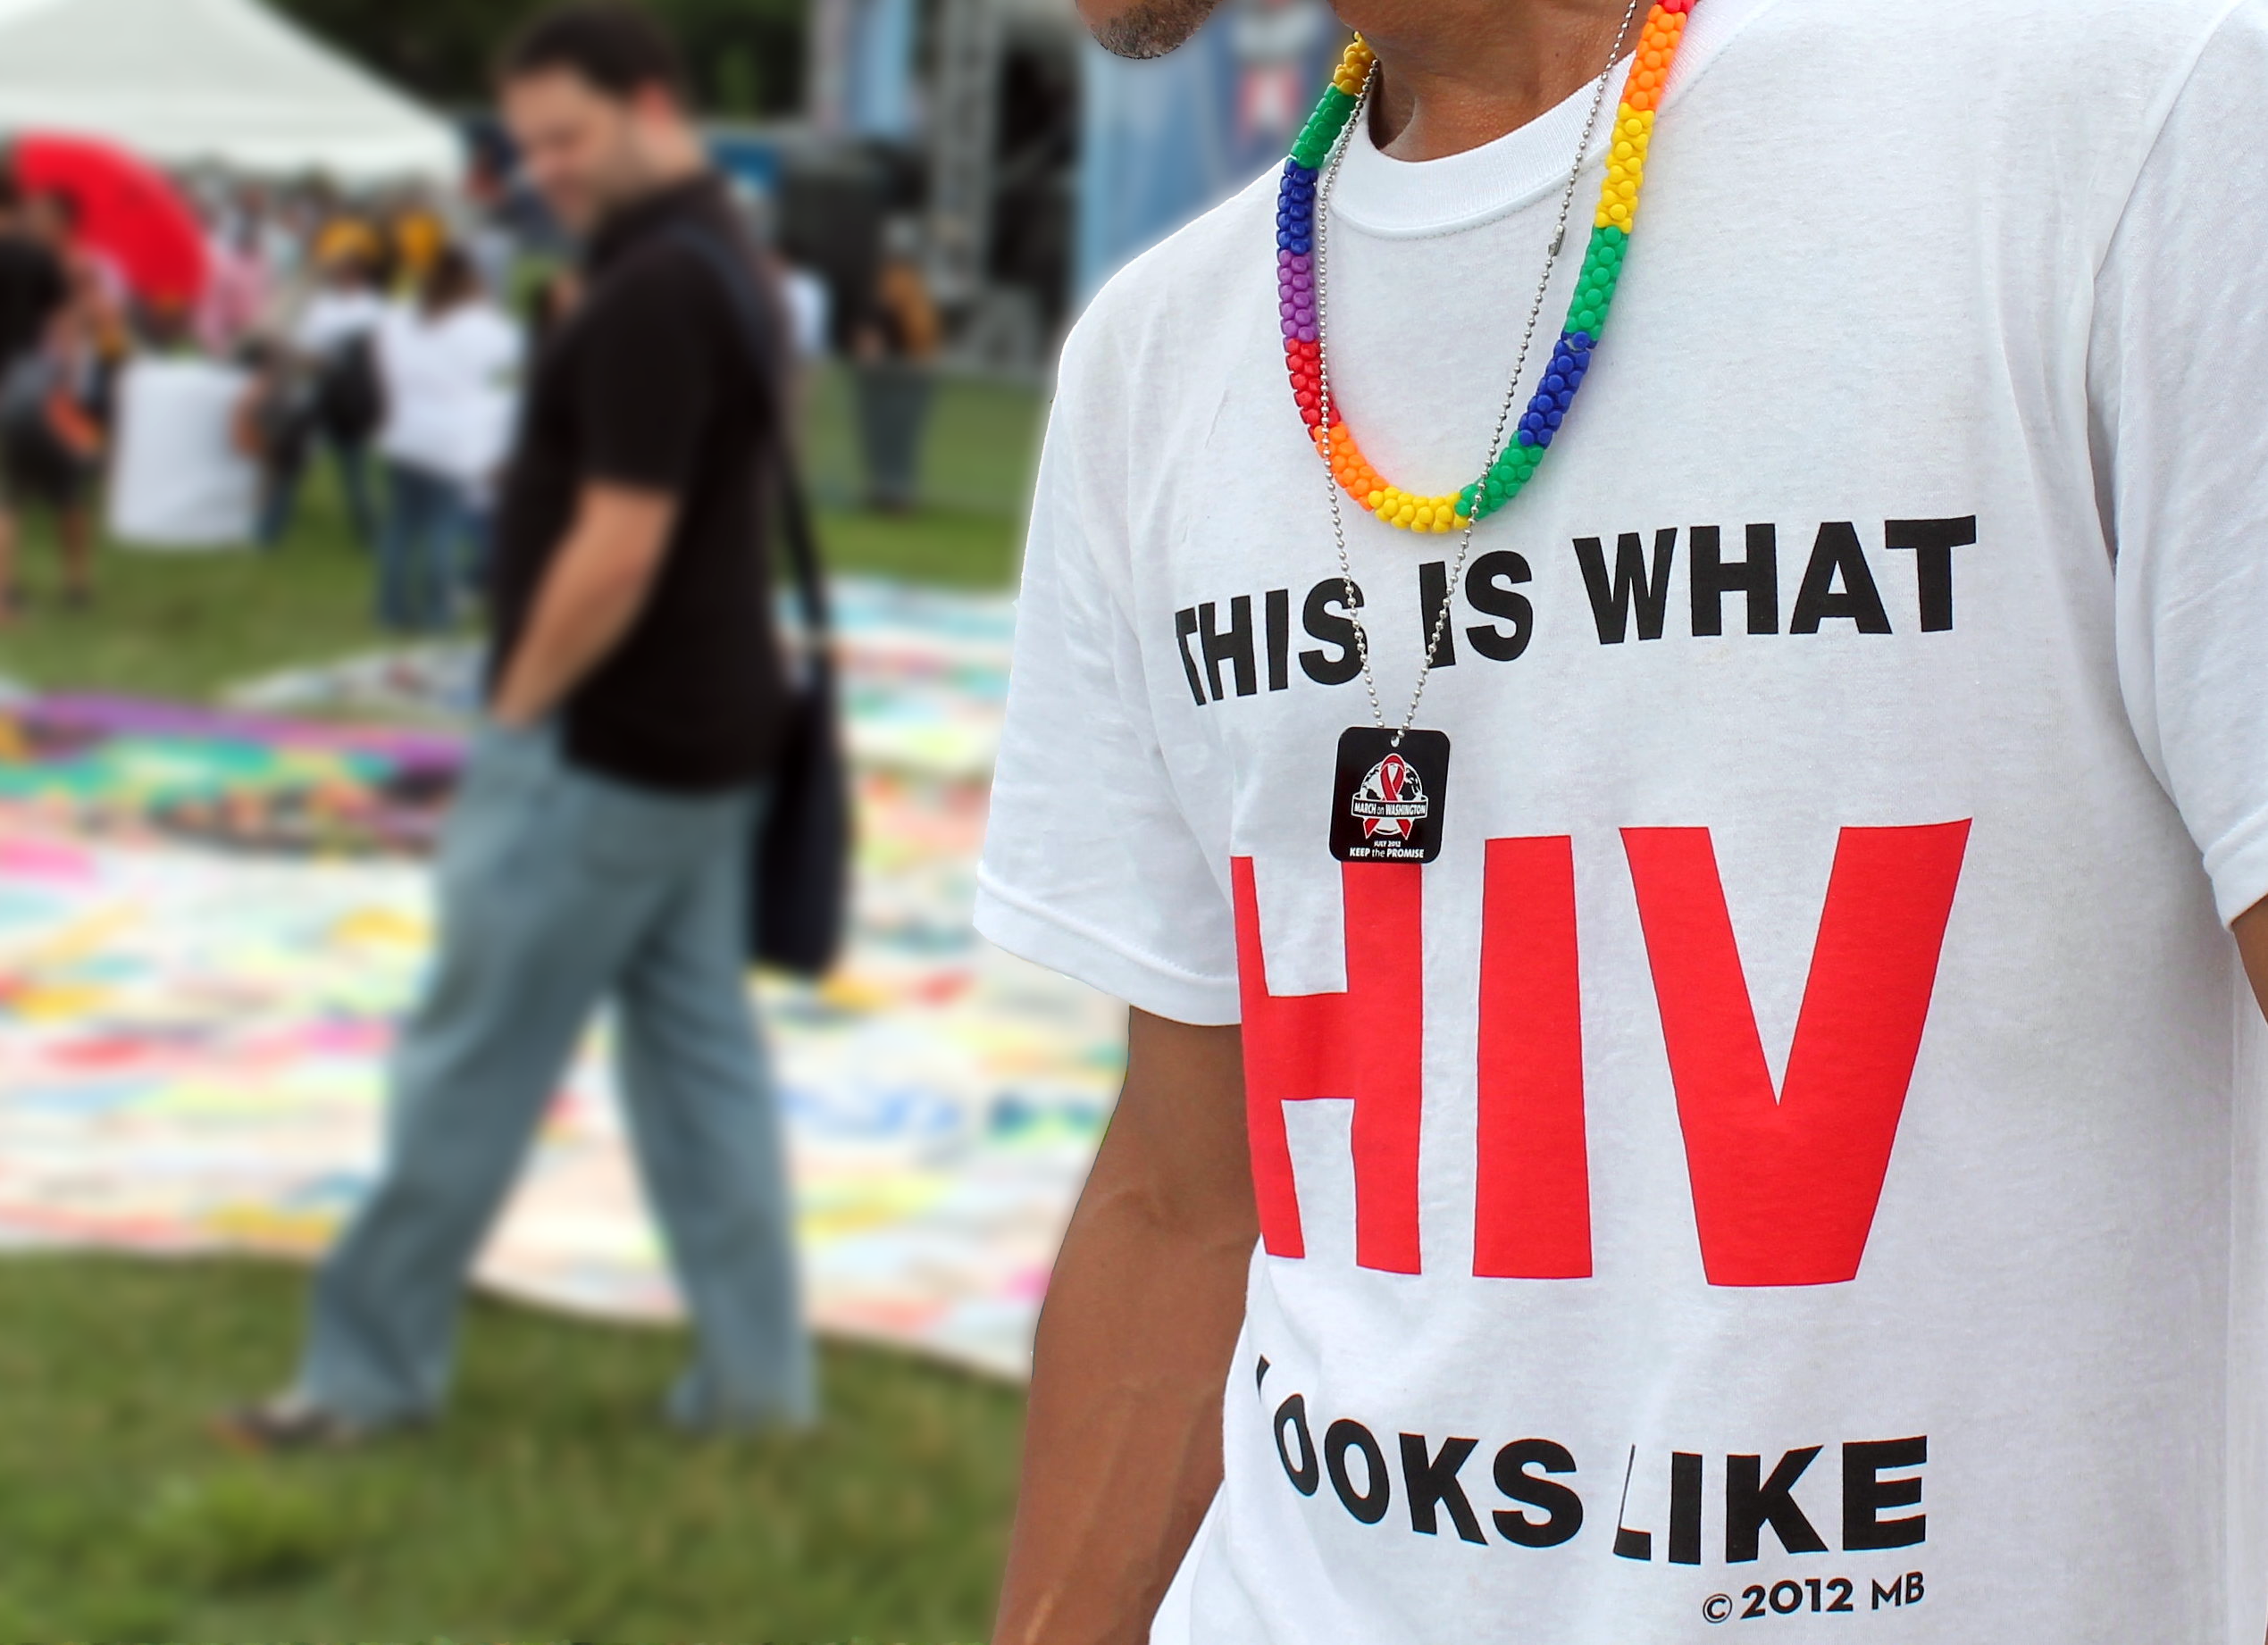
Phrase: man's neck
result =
(671, 176)
(668, 165)
(1454, 74)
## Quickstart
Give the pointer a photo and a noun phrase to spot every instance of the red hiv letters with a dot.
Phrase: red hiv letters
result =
(1785, 1182)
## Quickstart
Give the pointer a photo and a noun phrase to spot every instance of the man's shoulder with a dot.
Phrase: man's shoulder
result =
(2046, 45)
(661, 263)
(2077, 19)
(668, 280)
(2064, 101)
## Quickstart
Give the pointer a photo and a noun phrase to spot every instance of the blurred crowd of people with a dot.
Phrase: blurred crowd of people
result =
(388, 343)
(383, 338)
(376, 334)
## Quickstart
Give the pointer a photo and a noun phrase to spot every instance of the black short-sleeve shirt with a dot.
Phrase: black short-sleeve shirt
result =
(649, 386)
(32, 289)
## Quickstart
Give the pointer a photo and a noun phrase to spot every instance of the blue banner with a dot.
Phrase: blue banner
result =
(1162, 141)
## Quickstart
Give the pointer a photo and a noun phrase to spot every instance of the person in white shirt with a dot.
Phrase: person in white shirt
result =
(450, 364)
(1688, 1068)
(333, 340)
(348, 304)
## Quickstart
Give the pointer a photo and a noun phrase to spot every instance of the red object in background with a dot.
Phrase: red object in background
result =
(127, 210)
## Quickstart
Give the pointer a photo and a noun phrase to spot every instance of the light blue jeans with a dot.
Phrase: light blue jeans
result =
(419, 549)
(560, 889)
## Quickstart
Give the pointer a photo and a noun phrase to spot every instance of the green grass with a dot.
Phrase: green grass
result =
(983, 438)
(550, 1504)
(184, 626)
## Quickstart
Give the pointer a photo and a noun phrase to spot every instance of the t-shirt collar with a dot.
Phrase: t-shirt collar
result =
(1399, 197)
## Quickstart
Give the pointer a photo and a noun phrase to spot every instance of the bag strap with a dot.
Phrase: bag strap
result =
(756, 346)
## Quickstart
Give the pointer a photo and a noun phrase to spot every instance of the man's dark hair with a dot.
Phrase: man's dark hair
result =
(619, 49)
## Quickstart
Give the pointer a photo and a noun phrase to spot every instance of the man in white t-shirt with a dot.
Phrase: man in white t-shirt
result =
(1794, 1156)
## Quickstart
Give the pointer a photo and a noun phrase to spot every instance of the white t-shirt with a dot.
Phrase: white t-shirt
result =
(1796, 1160)
(332, 316)
(450, 388)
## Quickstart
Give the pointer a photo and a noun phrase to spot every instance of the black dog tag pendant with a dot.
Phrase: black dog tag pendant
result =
(1386, 802)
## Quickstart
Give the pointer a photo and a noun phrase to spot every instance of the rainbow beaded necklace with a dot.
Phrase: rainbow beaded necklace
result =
(1547, 408)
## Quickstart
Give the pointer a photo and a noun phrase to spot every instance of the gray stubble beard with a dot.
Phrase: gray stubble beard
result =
(1152, 28)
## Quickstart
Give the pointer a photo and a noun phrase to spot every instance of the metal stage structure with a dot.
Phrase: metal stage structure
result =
(972, 104)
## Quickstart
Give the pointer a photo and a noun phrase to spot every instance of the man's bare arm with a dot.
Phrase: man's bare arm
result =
(1121, 1447)
(2251, 930)
(589, 599)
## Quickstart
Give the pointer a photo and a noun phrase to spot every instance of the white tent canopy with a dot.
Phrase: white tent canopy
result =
(185, 82)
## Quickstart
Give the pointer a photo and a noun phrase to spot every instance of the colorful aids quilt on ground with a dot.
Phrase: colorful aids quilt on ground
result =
(209, 922)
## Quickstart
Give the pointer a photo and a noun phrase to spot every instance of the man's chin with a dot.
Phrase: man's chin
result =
(1151, 28)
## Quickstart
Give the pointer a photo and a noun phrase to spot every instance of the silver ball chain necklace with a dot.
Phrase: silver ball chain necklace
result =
(1391, 781)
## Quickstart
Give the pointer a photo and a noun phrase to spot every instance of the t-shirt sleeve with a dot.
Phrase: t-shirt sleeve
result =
(650, 376)
(1090, 866)
(2178, 364)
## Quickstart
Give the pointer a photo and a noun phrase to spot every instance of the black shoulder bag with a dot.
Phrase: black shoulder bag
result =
(799, 868)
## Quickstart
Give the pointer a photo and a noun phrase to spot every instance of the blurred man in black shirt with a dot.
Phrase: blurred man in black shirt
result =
(31, 279)
(32, 289)
(598, 849)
